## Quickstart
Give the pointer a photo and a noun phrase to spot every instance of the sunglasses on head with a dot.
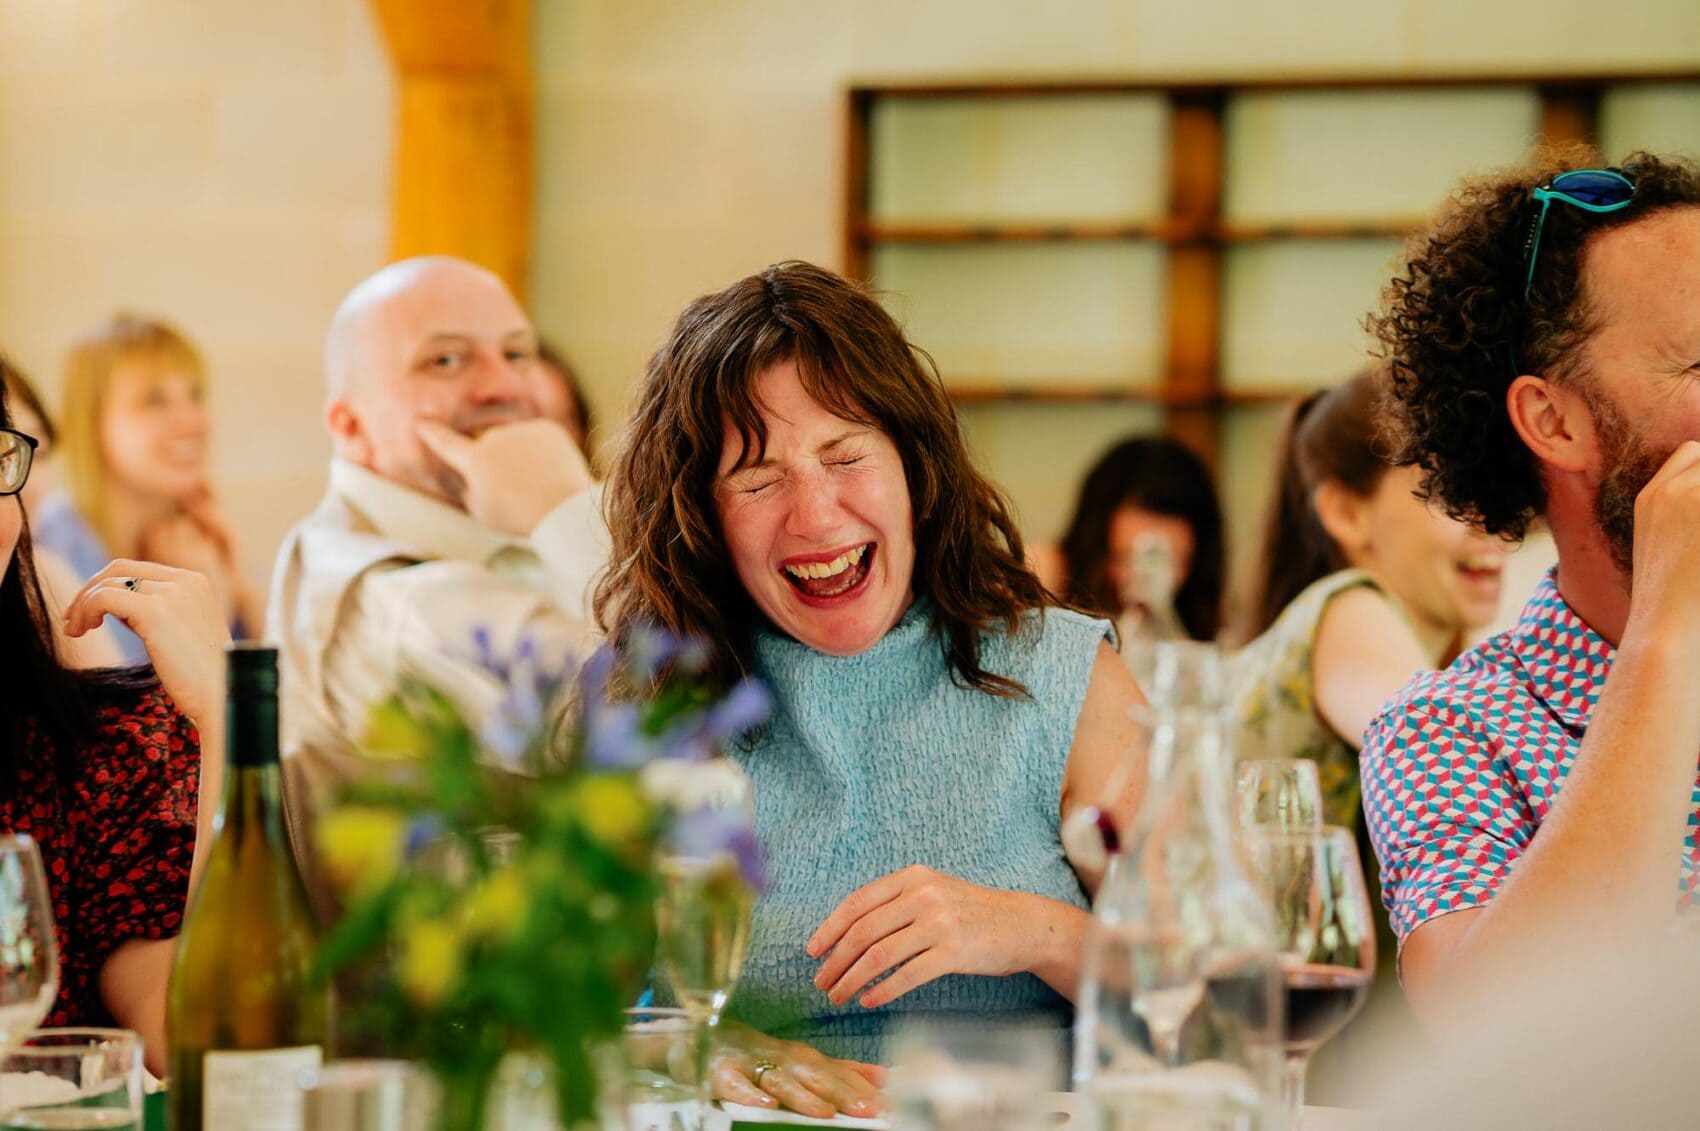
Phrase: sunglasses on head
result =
(1592, 190)
(17, 453)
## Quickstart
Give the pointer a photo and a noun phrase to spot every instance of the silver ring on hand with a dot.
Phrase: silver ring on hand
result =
(133, 584)
(762, 1068)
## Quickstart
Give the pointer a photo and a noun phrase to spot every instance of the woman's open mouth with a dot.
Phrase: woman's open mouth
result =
(823, 581)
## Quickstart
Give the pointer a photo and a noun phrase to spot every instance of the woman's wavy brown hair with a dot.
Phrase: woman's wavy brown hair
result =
(669, 564)
(1455, 329)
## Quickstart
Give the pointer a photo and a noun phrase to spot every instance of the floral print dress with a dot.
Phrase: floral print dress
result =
(115, 822)
(1272, 698)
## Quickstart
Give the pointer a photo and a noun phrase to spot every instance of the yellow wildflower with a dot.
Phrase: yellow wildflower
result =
(432, 952)
(610, 808)
(361, 846)
(497, 908)
(394, 730)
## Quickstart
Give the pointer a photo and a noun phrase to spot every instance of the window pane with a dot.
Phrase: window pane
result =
(1033, 313)
(1053, 158)
(1342, 155)
(1251, 439)
(1040, 453)
(1293, 311)
(1659, 119)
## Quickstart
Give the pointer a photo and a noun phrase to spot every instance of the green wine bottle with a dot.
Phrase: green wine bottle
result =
(244, 1015)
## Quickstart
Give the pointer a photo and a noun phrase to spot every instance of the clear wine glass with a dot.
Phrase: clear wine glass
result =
(1283, 792)
(29, 951)
(703, 912)
(1324, 935)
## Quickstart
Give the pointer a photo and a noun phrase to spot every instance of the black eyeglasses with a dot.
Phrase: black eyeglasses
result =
(17, 453)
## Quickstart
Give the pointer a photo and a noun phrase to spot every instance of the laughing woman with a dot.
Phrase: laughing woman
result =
(795, 489)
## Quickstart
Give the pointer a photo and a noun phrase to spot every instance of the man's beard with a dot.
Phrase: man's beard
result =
(1630, 464)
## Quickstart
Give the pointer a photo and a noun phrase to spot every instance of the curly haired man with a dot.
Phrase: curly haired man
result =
(1544, 340)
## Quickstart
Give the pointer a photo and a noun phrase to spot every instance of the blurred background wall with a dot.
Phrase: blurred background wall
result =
(225, 165)
(682, 145)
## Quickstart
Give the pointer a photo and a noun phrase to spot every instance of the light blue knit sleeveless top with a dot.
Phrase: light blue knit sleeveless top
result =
(877, 761)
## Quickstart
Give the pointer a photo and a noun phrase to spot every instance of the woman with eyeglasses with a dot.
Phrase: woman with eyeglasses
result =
(103, 769)
(59, 581)
(134, 444)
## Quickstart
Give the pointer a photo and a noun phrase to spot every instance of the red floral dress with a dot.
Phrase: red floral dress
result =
(116, 832)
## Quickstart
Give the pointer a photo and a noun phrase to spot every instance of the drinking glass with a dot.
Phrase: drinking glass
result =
(959, 1076)
(29, 952)
(1324, 936)
(1177, 1018)
(1280, 791)
(702, 915)
(369, 1095)
(72, 1080)
(658, 1081)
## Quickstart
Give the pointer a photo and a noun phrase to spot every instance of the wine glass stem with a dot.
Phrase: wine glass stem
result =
(706, 1023)
(1293, 1089)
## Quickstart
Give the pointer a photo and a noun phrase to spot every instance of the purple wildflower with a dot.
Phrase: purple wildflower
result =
(422, 831)
(744, 709)
(704, 834)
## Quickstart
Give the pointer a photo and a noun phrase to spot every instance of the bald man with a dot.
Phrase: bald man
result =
(453, 506)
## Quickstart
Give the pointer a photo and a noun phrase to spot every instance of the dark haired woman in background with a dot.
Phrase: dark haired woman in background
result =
(794, 489)
(1364, 586)
(1145, 489)
(103, 768)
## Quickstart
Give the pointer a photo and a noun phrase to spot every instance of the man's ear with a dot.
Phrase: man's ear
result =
(1554, 422)
(1342, 515)
(343, 423)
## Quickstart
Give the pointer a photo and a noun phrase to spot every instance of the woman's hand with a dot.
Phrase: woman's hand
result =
(760, 1071)
(918, 924)
(178, 617)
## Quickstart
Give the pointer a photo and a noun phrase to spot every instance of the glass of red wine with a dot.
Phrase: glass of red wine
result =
(1324, 936)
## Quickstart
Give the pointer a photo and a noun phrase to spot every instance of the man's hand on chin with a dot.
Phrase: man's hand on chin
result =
(515, 474)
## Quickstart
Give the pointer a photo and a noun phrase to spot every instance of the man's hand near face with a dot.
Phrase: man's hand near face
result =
(514, 475)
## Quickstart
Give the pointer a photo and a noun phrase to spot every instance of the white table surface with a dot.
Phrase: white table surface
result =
(1062, 1103)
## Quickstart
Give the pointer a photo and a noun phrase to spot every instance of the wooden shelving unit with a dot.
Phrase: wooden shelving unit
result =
(1193, 232)
(968, 391)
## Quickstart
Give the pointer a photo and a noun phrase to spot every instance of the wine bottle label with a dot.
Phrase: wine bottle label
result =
(256, 1091)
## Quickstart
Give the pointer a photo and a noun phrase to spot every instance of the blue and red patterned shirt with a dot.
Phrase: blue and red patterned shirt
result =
(1461, 767)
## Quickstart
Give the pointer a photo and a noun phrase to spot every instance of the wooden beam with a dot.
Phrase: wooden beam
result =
(858, 106)
(1193, 374)
(462, 169)
(971, 86)
(1570, 114)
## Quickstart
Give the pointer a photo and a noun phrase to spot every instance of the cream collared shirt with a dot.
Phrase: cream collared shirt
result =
(381, 581)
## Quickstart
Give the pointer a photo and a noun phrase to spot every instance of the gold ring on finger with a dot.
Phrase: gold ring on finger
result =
(762, 1068)
(133, 584)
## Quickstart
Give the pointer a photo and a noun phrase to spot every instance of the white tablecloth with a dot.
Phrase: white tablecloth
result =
(1063, 1103)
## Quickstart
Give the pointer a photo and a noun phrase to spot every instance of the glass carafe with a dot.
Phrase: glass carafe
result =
(1178, 1021)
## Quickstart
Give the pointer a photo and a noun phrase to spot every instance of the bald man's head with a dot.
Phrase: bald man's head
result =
(431, 338)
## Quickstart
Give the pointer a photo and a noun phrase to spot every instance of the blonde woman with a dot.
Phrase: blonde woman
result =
(133, 441)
